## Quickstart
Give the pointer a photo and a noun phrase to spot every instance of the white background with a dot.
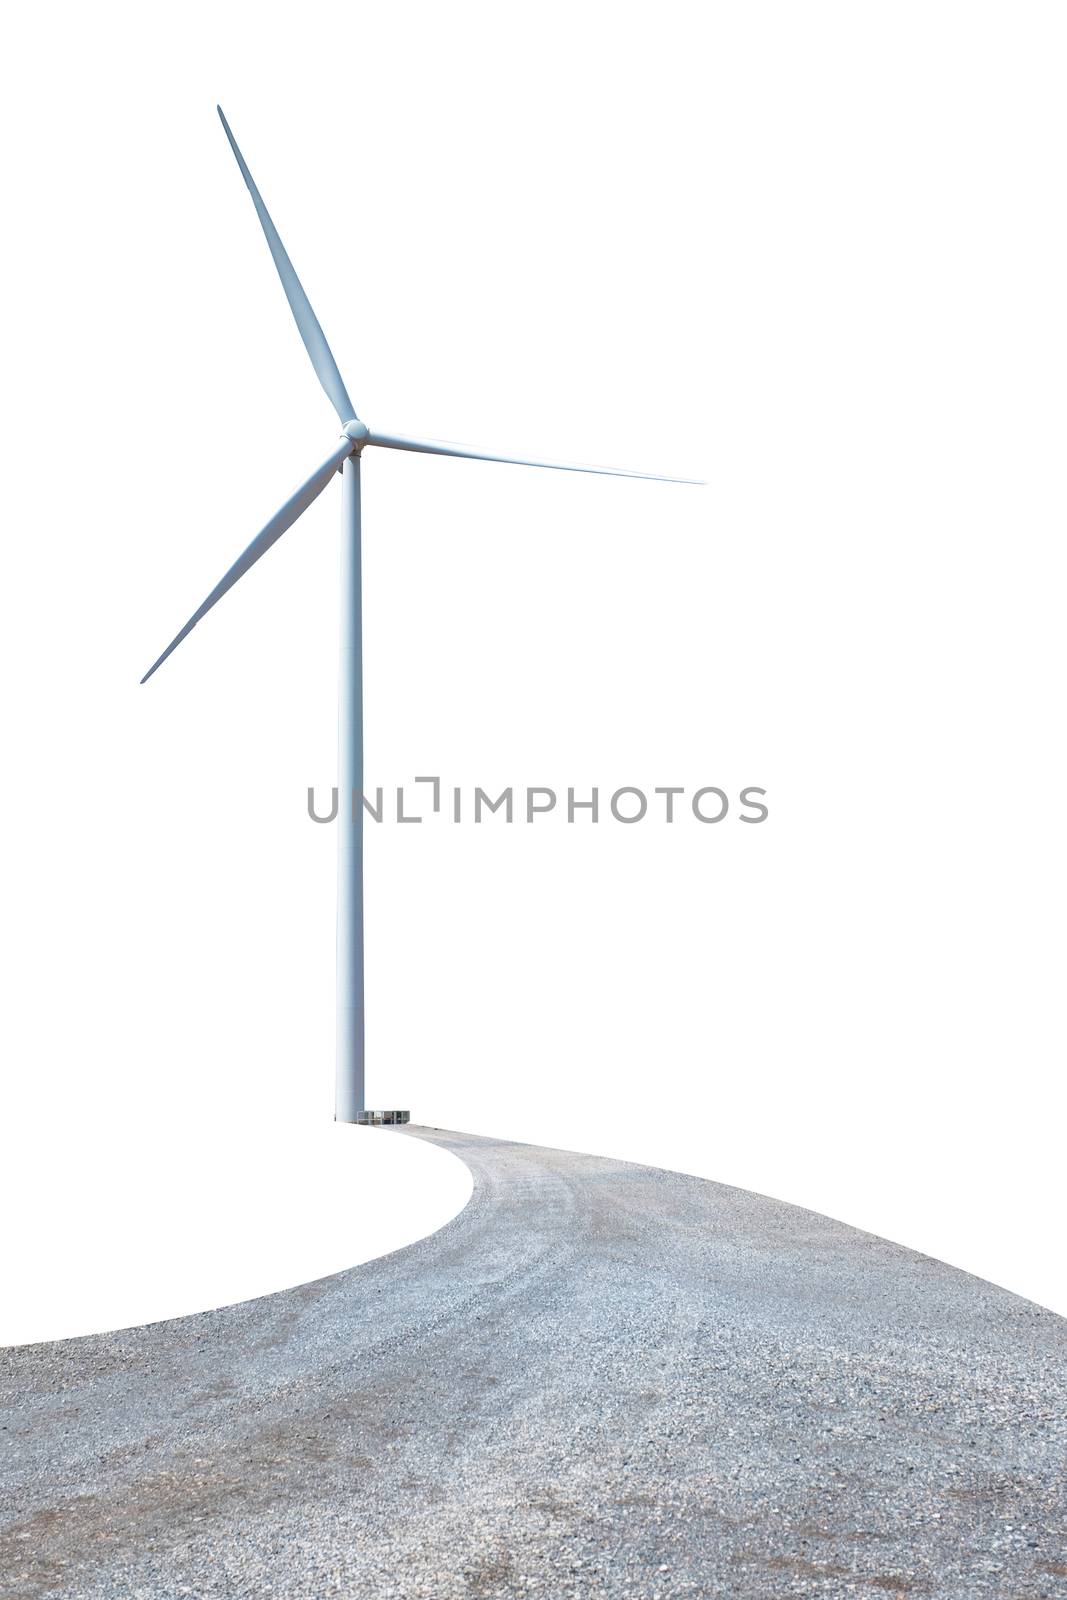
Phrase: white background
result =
(815, 255)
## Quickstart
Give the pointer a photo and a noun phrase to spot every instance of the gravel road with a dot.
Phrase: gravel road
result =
(598, 1379)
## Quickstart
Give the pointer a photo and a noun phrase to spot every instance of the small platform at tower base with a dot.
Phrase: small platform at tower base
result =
(382, 1119)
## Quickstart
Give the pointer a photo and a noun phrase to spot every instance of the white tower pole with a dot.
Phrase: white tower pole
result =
(350, 1040)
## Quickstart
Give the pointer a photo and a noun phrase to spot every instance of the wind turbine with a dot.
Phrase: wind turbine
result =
(345, 458)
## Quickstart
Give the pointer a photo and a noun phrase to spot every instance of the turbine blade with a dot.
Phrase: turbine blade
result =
(306, 320)
(283, 519)
(442, 447)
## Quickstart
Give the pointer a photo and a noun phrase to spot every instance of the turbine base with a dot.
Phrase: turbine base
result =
(381, 1119)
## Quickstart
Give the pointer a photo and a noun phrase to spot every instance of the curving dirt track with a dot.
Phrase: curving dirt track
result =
(598, 1379)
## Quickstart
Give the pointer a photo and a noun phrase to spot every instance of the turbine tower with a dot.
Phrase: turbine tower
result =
(345, 458)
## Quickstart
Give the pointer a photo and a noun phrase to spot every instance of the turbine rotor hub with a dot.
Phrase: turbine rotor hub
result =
(357, 431)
